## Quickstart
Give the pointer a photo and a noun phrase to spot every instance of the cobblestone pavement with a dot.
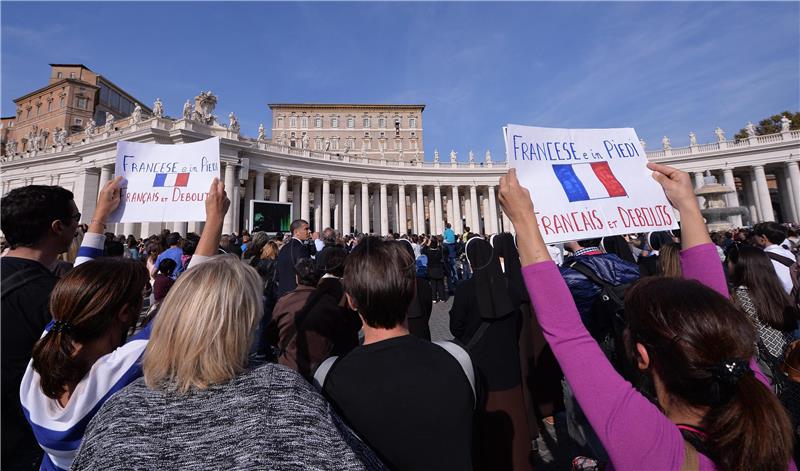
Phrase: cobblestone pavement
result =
(547, 454)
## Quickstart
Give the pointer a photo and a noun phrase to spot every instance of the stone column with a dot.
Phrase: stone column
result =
(437, 205)
(376, 210)
(326, 203)
(249, 192)
(345, 207)
(420, 210)
(763, 193)
(181, 227)
(456, 222)
(365, 208)
(698, 182)
(468, 211)
(447, 203)
(752, 197)
(259, 189)
(296, 198)
(129, 228)
(492, 210)
(304, 199)
(384, 210)
(732, 199)
(403, 220)
(283, 190)
(318, 206)
(793, 170)
(507, 226)
(431, 212)
(336, 223)
(274, 187)
(393, 208)
(414, 216)
(476, 217)
(230, 182)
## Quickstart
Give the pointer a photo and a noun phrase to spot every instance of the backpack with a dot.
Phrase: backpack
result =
(609, 314)
(422, 266)
(794, 272)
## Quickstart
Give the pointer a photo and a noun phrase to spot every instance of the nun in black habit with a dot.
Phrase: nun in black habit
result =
(486, 320)
(418, 315)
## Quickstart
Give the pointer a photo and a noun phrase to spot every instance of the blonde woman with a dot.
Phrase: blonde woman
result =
(199, 405)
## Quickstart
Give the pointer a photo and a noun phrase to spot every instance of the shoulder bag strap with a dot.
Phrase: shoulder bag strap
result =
(465, 361)
(322, 372)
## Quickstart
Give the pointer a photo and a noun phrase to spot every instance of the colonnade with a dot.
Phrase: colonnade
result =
(755, 190)
(353, 205)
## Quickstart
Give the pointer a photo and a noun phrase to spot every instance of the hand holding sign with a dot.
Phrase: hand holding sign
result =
(515, 198)
(107, 201)
(217, 204)
(587, 183)
(677, 185)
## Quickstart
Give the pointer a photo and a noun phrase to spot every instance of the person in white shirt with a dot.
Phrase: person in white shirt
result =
(769, 235)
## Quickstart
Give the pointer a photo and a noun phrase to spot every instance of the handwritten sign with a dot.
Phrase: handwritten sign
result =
(165, 182)
(587, 183)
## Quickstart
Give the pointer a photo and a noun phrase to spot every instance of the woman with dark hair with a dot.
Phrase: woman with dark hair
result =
(485, 318)
(712, 407)
(418, 315)
(759, 293)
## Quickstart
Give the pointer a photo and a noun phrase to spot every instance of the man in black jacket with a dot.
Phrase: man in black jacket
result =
(290, 253)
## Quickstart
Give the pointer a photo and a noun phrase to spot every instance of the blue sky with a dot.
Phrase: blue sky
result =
(662, 68)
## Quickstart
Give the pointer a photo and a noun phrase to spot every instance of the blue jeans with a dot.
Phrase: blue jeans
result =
(452, 271)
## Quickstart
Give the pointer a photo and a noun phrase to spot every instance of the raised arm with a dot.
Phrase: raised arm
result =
(217, 204)
(699, 259)
(94, 239)
(632, 429)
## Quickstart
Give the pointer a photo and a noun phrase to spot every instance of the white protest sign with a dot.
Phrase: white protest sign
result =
(165, 182)
(587, 183)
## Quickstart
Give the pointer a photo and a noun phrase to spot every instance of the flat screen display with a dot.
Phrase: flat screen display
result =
(269, 216)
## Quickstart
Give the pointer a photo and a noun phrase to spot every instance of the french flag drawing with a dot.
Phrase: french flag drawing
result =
(588, 181)
(171, 179)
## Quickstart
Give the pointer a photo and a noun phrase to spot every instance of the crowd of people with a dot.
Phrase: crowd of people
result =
(668, 350)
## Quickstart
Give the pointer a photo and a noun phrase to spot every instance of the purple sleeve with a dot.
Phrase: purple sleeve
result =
(633, 431)
(701, 263)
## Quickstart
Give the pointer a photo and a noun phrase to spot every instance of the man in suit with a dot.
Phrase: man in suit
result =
(290, 253)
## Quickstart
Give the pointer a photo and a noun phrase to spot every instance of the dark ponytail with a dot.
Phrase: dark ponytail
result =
(751, 430)
(84, 305)
(700, 346)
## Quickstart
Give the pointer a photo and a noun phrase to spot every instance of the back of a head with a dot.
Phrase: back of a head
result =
(270, 250)
(334, 261)
(618, 246)
(85, 304)
(772, 231)
(173, 239)
(700, 346)
(167, 266)
(204, 327)
(585, 243)
(114, 248)
(306, 272)
(380, 277)
(753, 269)
(658, 239)
(28, 212)
(329, 236)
